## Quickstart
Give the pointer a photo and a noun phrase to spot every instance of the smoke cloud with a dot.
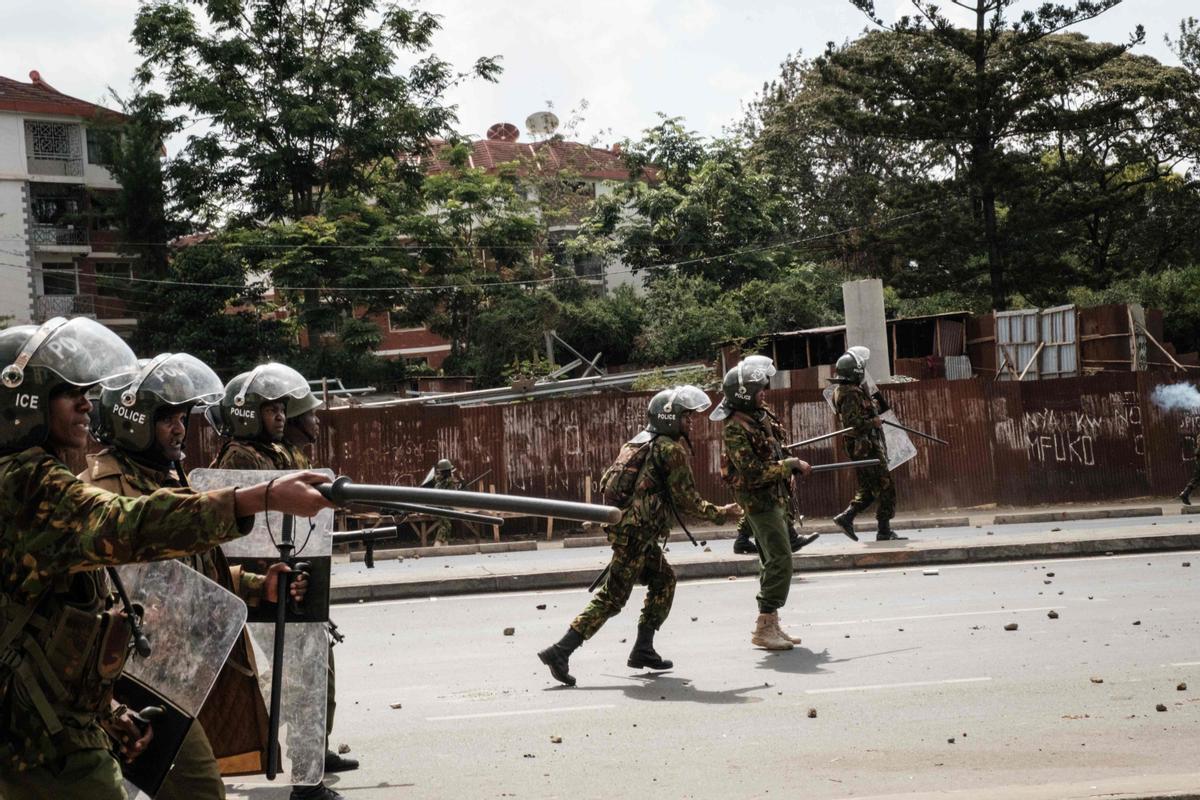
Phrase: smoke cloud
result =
(1177, 397)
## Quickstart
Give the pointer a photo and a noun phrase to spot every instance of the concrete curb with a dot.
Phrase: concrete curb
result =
(876, 557)
(448, 550)
(1072, 516)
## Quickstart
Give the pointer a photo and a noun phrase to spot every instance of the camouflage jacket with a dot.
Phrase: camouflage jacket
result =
(754, 462)
(234, 701)
(856, 409)
(55, 534)
(297, 458)
(666, 477)
(448, 483)
(252, 454)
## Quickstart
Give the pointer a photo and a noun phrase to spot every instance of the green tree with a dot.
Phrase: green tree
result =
(976, 92)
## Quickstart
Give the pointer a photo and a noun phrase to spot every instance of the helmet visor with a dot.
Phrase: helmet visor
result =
(176, 379)
(81, 351)
(861, 354)
(688, 398)
(274, 382)
(757, 369)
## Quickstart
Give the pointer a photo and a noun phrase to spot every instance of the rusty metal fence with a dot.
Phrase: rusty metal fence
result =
(1067, 440)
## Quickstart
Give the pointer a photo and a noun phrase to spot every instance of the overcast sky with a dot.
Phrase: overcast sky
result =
(628, 59)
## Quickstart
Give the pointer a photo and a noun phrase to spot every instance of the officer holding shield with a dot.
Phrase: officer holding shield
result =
(63, 639)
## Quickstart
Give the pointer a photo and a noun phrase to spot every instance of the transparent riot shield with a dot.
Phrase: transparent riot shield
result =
(192, 624)
(306, 643)
(899, 446)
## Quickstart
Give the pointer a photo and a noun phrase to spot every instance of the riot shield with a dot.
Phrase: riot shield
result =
(306, 643)
(899, 446)
(192, 624)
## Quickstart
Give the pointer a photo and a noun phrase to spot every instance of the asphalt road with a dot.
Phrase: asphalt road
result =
(917, 688)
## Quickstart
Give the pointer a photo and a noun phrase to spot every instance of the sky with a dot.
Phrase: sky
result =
(627, 60)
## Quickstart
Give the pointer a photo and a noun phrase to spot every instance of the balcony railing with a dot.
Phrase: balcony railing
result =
(71, 167)
(59, 236)
(54, 148)
(63, 305)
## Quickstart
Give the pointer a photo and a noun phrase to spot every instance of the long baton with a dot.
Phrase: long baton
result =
(816, 439)
(922, 434)
(343, 492)
(866, 462)
(285, 553)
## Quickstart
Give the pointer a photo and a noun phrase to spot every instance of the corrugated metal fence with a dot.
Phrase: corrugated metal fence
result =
(1073, 439)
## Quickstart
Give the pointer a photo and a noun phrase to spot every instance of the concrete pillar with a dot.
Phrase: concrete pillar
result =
(866, 324)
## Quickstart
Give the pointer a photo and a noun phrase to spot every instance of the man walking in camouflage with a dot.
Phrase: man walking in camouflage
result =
(446, 478)
(755, 466)
(856, 409)
(652, 482)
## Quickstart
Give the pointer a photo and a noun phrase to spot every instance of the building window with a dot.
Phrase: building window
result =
(101, 146)
(112, 277)
(60, 279)
(399, 323)
(103, 212)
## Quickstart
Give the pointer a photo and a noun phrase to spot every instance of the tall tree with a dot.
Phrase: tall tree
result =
(973, 90)
(301, 99)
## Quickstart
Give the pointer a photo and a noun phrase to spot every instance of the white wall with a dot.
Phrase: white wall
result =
(16, 299)
(616, 273)
(12, 145)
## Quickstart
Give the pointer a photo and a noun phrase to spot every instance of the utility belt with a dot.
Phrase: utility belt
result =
(64, 661)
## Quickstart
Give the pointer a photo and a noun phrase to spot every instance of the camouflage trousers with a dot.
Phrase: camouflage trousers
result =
(195, 775)
(83, 775)
(441, 531)
(1195, 481)
(641, 564)
(875, 484)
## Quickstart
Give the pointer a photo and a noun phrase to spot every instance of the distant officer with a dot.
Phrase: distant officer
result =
(857, 409)
(652, 482)
(445, 477)
(63, 637)
(254, 415)
(144, 426)
(1185, 496)
(759, 472)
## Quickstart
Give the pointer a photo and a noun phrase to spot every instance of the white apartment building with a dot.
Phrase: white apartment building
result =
(55, 237)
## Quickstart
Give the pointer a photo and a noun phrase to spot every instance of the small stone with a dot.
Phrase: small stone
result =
(397, 705)
(1047, 582)
(1181, 687)
(1053, 615)
(695, 618)
(509, 631)
(708, 549)
(812, 713)
(555, 740)
(990, 533)
(1187, 563)
(1096, 679)
(1055, 530)
(530, 755)
(950, 740)
(1160, 707)
(623, 641)
(1089, 597)
(541, 606)
(1012, 626)
(703, 543)
(1137, 622)
(1049, 574)
(343, 749)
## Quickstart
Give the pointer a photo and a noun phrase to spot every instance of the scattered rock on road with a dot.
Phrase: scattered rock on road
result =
(950, 740)
(397, 705)
(555, 740)
(1012, 626)
(1181, 687)
(509, 631)
(541, 606)
(1160, 707)
(1053, 615)
(812, 713)
(1137, 622)
(1049, 574)
(1096, 679)
(343, 749)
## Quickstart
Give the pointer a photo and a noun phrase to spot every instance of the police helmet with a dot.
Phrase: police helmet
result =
(240, 414)
(41, 359)
(741, 383)
(444, 465)
(665, 412)
(125, 416)
(851, 367)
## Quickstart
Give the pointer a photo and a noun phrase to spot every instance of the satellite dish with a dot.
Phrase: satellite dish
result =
(541, 123)
(503, 132)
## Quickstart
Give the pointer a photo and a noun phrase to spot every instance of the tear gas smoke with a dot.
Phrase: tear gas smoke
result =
(1177, 397)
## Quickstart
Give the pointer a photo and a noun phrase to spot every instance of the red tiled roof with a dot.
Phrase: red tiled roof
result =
(557, 155)
(39, 97)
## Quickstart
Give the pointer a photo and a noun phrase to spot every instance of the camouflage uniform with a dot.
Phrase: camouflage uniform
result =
(231, 704)
(56, 533)
(296, 457)
(252, 454)
(441, 528)
(855, 409)
(761, 486)
(666, 477)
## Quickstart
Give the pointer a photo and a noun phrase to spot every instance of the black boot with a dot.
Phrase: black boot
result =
(799, 541)
(339, 763)
(643, 653)
(885, 532)
(557, 656)
(318, 792)
(742, 544)
(845, 521)
(1185, 497)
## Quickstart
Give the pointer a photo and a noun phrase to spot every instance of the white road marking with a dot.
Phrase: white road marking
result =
(908, 685)
(932, 616)
(492, 714)
(1184, 664)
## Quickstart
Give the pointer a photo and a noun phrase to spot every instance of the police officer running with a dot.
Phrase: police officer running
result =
(652, 482)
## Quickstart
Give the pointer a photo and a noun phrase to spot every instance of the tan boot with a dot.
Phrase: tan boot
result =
(767, 634)
(779, 629)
